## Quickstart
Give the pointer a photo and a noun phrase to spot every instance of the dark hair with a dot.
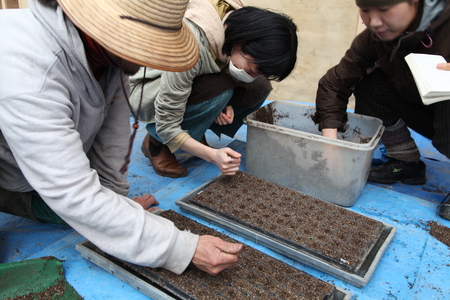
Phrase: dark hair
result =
(269, 37)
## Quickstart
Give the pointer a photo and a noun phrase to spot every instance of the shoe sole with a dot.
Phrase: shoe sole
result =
(410, 181)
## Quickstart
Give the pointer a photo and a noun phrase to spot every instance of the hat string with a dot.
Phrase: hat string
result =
(151, 24)
(124, 167)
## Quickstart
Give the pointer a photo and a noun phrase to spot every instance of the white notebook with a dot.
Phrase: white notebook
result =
(433, 84)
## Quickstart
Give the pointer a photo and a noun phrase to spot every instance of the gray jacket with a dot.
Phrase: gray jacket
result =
(65, 135)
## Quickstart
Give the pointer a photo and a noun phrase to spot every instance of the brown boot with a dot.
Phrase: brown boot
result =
(163, 161)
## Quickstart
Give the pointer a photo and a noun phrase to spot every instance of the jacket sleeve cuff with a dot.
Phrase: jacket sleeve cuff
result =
(175, 143)
(182, 252)
(332, 124)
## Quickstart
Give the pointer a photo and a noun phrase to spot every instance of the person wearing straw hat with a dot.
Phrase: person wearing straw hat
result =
(65, 127)
(375, 71)
(241, 48)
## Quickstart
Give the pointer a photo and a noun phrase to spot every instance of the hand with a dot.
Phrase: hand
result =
(227, 160)
(444, 66)
(213, 254)
(146, 201)
(226, 116)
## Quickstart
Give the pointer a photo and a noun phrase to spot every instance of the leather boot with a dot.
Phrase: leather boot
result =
(15, 203)
(163, 161)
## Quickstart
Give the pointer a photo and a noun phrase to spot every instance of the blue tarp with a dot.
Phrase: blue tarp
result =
(415, 266)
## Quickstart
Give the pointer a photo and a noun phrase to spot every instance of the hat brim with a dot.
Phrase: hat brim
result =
(140, 43)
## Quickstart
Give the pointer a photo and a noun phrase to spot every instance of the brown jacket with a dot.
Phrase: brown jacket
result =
(365, 53)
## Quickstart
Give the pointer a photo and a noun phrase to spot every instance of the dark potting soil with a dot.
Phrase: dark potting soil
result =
(56, 291)
(324, 230)
(440, 232)
(255, 276)
(269, 115)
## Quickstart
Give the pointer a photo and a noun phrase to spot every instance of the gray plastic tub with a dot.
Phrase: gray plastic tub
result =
(285, 146)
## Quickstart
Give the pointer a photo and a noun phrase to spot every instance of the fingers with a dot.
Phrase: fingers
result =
(226, 117)
(230, 162)
(230, 171)
(223, 119)
(229, 248)
(214, 255)
(444, 66)
(146, 200)
(229, 111)
(233, 155)
(152, 209)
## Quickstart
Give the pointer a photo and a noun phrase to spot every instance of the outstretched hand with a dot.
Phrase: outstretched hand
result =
(146, 201)
(214, 255)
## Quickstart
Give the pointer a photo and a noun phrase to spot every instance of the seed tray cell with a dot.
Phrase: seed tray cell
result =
(323, 235)
(255, 276)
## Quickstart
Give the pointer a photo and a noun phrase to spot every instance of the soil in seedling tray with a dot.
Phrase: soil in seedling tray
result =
(322, 229)
(255, 276)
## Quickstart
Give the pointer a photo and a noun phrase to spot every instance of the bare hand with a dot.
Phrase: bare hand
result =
(227, 160)
(226, 117)
(443, 66)
(146, 201)
(213, 254)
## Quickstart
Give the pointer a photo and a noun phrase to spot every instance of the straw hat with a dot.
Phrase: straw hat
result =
(150, 33)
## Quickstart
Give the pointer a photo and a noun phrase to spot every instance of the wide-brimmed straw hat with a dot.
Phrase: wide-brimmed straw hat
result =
(150, 33)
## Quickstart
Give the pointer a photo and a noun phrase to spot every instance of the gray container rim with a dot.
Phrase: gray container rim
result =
(314, 137)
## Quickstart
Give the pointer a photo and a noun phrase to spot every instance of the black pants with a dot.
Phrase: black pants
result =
(28, 205)
(376, 96)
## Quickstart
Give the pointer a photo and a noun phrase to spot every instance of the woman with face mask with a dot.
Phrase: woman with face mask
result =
(242, 48)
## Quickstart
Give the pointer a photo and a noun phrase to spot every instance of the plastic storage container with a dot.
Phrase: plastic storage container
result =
(285, 146)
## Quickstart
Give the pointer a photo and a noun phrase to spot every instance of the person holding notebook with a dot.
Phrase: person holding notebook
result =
(374, 70)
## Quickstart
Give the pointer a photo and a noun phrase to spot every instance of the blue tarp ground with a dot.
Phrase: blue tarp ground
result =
(415, 265)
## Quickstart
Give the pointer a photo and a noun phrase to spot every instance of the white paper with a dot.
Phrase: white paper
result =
(433, 84)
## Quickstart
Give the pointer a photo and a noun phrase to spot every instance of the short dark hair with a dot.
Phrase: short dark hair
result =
(269, 37)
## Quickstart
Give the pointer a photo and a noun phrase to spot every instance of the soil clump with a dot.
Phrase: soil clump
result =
(440, 232)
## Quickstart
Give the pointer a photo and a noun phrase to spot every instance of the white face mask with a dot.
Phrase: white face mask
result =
(240, 74)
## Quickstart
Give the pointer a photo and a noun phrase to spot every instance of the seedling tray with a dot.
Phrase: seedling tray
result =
(253, 208)
(243, 281)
